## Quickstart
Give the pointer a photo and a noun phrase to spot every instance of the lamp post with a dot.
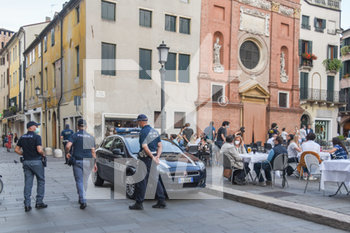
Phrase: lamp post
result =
(163, 51)
(45, 98)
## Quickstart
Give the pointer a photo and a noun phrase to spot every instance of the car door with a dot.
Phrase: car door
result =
(104, 158)
(118, 161)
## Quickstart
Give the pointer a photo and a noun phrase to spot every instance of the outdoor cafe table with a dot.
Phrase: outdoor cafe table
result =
(335, 171)
(252, 158)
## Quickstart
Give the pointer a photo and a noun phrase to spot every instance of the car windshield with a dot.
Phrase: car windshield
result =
(134, 146)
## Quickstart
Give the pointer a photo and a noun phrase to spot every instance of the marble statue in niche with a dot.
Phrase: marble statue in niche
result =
(218, 67)
(283, 73)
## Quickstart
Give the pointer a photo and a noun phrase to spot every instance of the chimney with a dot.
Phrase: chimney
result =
(47, 19)
(64, 4)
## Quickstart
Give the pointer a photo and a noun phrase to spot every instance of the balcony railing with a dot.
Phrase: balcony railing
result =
(328, 3)
(310, 94)
(10, 112)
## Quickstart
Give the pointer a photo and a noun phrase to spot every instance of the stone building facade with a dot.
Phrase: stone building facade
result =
(256, 82)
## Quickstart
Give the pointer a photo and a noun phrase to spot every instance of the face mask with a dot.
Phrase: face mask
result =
(37, 131)
(237, 143)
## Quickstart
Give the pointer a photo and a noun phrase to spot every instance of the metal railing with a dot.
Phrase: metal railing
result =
(322, 95)
(328, 3)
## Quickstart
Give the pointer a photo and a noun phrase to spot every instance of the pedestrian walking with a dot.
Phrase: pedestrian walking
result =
(29, 146)
(65, 135)
(83, 159)
(150, 151)
(187, 133)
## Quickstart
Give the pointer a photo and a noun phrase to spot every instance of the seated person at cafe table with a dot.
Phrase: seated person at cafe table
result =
(232, 160)
(265, 166)
(339, 151)
(271, 140)
(309, 145)
(239, 145)
(293, 150)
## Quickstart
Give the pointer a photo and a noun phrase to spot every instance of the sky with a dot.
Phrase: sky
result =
(16, 13)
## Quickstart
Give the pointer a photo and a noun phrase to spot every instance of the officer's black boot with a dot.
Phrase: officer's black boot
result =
(159, 205)
(27, 208)
(41, 206)
(136, 206)
(83, 206)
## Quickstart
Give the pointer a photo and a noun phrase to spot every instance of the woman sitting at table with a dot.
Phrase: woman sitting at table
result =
(239, 145)
(293, 150)
(232, 160)
(339, 151)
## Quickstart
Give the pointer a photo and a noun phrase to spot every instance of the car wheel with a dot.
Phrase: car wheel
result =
(98, 181)
(130, 191)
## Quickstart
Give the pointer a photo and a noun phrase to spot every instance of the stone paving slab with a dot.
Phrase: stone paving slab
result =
(108, 215)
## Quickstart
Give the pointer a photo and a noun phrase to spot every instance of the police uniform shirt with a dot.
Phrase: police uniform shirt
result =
(82, 145)
(149, 136)
(29, 142)
(66, 134)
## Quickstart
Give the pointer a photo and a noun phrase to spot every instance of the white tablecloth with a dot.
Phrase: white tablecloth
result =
(335, 171)
(323, 155)
(252, 158)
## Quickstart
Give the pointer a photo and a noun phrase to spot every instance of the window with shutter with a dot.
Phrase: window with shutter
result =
(179, 120)
(108, 10)
(283, 99)
(185, 25)
(304, 83)
(145, 60)
(217, 92)
(330, 88)
(184, 68)
(108, 66)
(170, 66)
(170, 23)
(145, 18)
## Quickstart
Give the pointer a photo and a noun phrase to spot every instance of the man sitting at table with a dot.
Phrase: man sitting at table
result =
(277, 149)
(232, 160)
(310, 144)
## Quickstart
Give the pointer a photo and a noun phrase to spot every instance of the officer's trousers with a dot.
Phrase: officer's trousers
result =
(82, 170)
(141, 187)
(33, 168)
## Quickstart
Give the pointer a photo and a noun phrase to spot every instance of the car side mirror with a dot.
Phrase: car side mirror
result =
(117, 152)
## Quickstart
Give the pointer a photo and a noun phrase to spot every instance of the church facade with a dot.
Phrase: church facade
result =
(249, 66)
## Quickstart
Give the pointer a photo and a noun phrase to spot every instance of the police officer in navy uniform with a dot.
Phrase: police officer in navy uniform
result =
(65, 135)
(29, 146)
(84, 159)
(150, 151)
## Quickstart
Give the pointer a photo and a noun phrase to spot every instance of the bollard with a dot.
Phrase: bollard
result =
(48, 151)
(58, 153)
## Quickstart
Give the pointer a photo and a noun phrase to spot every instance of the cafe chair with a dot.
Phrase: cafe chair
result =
(313, 167)
(280, 164)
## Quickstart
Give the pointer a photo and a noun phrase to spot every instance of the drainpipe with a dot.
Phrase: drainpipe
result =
(42, 87)
(61, 94)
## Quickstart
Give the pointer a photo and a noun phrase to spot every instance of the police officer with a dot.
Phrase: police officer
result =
(65, 135)
(83, 151)
(150, 151)
(29, 146)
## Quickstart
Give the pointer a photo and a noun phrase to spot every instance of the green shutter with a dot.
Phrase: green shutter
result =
(330, 88)
(145, 61)
(184, 62)
(300, 47)
(315, 22)
(170, 67)
(309, 47)
(323, 23)
(328, 51)
(335, 52)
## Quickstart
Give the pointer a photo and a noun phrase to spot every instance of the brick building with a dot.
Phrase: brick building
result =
(249, 65)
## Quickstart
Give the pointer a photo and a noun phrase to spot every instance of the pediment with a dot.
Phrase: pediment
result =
(252, 89)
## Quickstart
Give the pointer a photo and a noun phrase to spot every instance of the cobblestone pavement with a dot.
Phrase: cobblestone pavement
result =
(111, 215)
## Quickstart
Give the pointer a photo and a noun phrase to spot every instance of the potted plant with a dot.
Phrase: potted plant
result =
(332, 65)
(345, 50)
(346, 75)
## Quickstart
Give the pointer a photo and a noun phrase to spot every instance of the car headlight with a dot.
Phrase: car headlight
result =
(201, 165)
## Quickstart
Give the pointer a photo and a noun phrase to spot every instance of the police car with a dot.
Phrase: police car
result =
(117, 160)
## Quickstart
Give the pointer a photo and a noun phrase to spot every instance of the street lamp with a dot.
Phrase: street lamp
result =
(37, 91)
(163, 51)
